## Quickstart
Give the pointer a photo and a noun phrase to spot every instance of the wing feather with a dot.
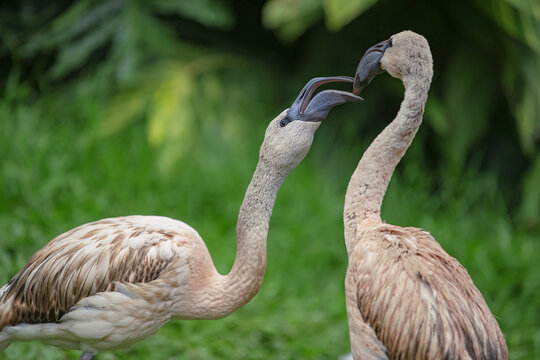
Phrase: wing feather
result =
(92, 258)
(420, 301)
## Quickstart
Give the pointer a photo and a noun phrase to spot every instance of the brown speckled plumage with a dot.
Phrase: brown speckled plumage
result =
(406, 297)
(64, 272)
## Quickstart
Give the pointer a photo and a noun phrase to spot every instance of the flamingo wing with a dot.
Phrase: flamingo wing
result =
(420, 301)
(92, 258)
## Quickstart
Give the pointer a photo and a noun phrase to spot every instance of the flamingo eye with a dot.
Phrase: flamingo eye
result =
(284, 121)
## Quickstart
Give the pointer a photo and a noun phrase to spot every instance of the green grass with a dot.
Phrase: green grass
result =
(57, 173)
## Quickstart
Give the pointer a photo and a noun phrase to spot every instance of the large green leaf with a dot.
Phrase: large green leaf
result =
(214, 13)
(339, 13)
(164, 96)
(291, 17)
(132, 29)
(521, 82)
(527, 109)
(519, 18)
(77, 21)
(74, 54)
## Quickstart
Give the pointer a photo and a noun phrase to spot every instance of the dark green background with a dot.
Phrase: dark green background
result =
(111, 108)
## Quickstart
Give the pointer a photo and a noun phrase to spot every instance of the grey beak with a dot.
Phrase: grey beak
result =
(370, 66)
(324, 101)
(306, 109)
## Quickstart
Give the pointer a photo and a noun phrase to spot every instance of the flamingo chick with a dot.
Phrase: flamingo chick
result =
(406, 297)
(113, 282)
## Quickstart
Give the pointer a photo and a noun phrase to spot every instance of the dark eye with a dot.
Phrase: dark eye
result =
(284, 121)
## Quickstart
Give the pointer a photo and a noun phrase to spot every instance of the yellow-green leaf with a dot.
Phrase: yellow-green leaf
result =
(339, 13)
(290, 17)
(170, 110)
(123, 108)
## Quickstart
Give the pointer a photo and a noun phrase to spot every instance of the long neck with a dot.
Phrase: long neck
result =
(246, 276)
(370, 180)
(247, 273)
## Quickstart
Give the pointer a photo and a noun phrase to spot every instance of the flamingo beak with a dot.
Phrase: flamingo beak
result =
(306, 108)
(370, 66)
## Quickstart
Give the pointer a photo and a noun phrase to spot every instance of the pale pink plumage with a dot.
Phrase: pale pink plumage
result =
(406, 297)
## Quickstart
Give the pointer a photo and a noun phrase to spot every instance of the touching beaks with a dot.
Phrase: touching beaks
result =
(307, 109)
(370, 66)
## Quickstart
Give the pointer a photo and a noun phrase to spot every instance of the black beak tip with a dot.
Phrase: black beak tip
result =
(369, 66)
(357, 87)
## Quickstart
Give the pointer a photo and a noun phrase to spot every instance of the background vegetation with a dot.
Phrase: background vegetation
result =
(120, 107)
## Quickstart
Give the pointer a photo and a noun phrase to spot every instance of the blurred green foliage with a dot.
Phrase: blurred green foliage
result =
(158, 107)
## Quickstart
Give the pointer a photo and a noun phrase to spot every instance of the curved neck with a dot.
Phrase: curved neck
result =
(247, 273)
(235, 289)
(370, 180)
